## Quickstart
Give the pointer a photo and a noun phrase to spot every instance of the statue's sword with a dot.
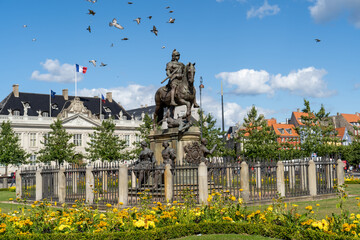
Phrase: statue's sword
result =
(170, 75)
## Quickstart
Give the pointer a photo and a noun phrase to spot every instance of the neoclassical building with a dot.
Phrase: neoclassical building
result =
(31, 114)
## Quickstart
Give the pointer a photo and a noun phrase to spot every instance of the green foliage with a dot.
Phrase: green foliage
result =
(11, 151)
(318, 134)
(57, 145)
(258, 138)
(104, 145)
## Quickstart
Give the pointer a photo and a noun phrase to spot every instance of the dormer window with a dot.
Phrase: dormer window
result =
(289, 130)
(54, 106)
(281, 130)
(108, 110)
(45, 114)
(16, 112)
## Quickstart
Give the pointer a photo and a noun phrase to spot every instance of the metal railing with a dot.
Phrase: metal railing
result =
(50, 182)
(185, 183)
(262, 180)
(75, 183)
(28, 183)
(325, 174)
(106, 178)
(296, 177)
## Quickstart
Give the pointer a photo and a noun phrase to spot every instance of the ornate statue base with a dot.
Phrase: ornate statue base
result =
(176, 139)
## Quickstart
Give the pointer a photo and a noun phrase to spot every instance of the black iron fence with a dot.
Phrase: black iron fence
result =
(28, 183)
(75, 182)
(50, 182)
(296, 177)
(325, 174)
(185, 183)
(106, 179)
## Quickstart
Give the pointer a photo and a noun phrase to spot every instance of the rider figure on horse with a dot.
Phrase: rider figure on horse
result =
(175, 72)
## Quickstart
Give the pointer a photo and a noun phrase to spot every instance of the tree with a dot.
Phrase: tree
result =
(258, 138)
(317, 134)
(57, 145)
(213, 135)
(104, 145)
(11, 152)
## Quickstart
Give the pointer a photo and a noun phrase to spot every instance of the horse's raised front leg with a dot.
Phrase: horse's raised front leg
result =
(188, 108)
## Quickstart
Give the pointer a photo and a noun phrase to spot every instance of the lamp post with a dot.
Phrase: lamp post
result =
(222, 107)
(201, 113)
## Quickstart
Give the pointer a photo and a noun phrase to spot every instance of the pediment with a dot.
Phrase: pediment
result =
(78, 120)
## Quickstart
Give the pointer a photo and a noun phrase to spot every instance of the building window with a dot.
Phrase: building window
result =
(289, 130)
(45, 114)
(281, 130)
(47, 135)
(127, 140)
(16, 113)
(137, 139)
(32, 139)
(33, 159)
(77, 139)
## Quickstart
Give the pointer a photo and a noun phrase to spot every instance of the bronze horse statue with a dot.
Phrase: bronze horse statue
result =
(185, 94)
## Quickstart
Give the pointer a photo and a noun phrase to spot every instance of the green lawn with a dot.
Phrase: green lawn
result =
(224, 236)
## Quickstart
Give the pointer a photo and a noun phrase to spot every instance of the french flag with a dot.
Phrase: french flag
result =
(80, 68)
(103, 99)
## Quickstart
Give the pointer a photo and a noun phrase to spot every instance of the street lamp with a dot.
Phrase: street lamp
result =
(201, 113)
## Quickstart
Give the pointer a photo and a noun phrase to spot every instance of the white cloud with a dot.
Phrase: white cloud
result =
(326, 10)
(247, 81)
(304, 82)
(233, 112)
(263, 11)
(56, 72)
(131, 96)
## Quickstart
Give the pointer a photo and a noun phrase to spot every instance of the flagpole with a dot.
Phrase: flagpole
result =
(50, 103)
(75, 82)
(100, 107)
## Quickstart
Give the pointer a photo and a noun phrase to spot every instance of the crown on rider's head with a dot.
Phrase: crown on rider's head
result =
(175, 52)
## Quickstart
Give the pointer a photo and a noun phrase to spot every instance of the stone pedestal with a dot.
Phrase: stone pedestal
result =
(176, 141)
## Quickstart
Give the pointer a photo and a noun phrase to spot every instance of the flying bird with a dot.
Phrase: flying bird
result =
(92, 1)
(154, 30)
(137, 20)
(167, 7)
(171, 11)
(102, 64)
(130, 3)
(89, 29)
(163, 47)
(34, 39)
(115, 24)
(112, 45)
(124, 39)
(317, 40)
(91, 12)
(149, 17)
(93, 62)
(171, 20)
(24, 26)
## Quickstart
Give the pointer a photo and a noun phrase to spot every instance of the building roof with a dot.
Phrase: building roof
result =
(288, 130)
(298, 116)
(351, 117)
(137, 112)
(271, 121)
(340, 132)
(42, 102)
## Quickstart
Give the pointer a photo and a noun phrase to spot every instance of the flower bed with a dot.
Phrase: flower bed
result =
(153, 220)
(352, 180)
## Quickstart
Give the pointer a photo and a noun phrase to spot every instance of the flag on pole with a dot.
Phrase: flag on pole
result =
(53, 94)
(80, 68)
(102, 98)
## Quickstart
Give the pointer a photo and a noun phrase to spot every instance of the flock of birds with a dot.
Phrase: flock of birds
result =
(114, 23)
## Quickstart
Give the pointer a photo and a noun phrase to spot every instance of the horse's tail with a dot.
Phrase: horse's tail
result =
(159, 109)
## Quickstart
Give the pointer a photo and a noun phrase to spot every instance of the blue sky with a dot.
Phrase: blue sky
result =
(264, 51)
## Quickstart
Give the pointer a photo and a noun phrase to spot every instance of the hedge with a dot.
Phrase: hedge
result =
(177, 231)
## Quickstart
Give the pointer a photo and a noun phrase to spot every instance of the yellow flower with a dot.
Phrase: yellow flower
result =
(270, 208)
(55, 203)
(209, 198)
(115, 210)
(241, 189)
(32, 205)
(294, 205)
(357, 215)
(318, 205)
(11, 199)
(233, 198)
(108, 205)
(121, 203)
(308, 208)
(241, 201)
(74, 206)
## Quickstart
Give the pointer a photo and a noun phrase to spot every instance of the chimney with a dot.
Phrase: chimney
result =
(96, 96)
(109, 96)
(298, 110)
(337, 114)
(16, 90)
(65, 94)
(357, 114)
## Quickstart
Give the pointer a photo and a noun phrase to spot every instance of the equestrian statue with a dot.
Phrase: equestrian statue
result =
(179, 91)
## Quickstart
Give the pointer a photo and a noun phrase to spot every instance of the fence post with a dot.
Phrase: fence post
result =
(62, 184)
(340, 173)
(258, 175)
(18, 184)
(168, 180)
(228, 175)
(303, 175)
(280, 181)
(312, 178)
(244, 181)
(90, 184)
(292, 175)
(39, 184)
(203, 183)
(123, 184)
